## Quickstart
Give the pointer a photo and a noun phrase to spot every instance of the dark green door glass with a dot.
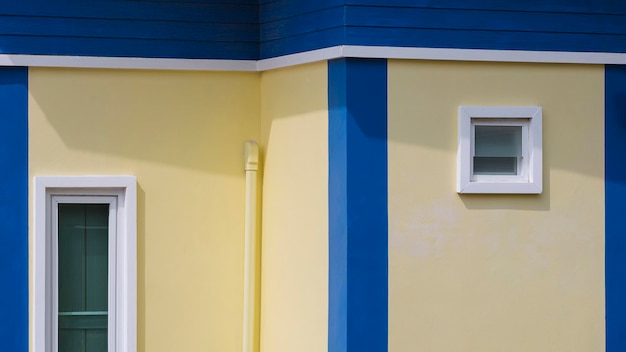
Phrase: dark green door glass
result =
(83, 277)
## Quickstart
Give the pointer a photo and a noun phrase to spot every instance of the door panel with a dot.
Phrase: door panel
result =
(83, 277)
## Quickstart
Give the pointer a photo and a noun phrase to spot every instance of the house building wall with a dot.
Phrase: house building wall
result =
(252, 30)
(131, 28)
(292, 26)
(181, 134)
(357, 207)
(294, 296)
(14, 208)
(365, 244)
(557, 25)
(614, 191)
(465, 272)
(495, 272)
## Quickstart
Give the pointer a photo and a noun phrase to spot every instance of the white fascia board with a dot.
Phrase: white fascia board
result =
(564, 57)
(334, 52)
(127, 63)
(330, 53)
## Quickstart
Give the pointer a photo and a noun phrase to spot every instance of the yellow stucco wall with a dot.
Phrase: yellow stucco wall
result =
(492, 273)
(181, 134)
(294, 309)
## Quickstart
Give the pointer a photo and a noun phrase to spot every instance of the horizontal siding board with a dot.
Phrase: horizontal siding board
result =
(128, 28)
(564, 6)
(282, 9)
(398, 17)
(216, 2)
(496, 40)
(555, 25)
(247, 29)
(111, 47)
(156, 11)
(302, 24)
(131, 29)
(310, 41)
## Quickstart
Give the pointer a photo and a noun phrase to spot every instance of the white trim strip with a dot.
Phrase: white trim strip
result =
(334, 52)
(127, 63)
(330, 53)
(564, 57)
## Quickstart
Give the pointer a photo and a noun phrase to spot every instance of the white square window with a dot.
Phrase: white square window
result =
(499, 149)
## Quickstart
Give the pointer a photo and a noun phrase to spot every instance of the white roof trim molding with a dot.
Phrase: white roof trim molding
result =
(127, 63)
(564, 57)
(333, 52)
(330, 53)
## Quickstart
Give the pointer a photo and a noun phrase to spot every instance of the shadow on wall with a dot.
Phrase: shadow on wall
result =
(181, 134)
(176, 118)
(424, 98)
(292, 93)
(423, 101)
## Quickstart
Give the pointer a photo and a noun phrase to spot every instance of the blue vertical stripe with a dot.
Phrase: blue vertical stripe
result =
(615, 204)
(14, 209)
(358, 231)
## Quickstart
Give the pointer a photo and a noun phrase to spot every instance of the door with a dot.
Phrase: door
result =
(83, 277)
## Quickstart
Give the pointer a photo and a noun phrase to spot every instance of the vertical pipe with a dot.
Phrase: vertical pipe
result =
(250, 289)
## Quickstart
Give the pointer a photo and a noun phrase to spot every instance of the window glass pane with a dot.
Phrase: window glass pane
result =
(498, 141)
(495, 166)
(83, 277)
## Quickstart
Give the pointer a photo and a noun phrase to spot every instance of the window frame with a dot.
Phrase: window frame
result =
(123, 324)
(529, 177)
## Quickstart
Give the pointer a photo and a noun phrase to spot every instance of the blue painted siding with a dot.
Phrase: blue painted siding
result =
(273, 10)
(129, 29)
(483, 28)
(485, 20)
(305, 42)
(290, 26)
(126, 48)
(358, 222)
(165, 10)
(253, 29)
(615, 213)
(495, 40)
(303, 24)
(564, 6)
(555, 25)
(169, 28)
(14, 209)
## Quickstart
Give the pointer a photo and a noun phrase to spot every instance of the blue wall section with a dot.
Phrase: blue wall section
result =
(566, 6)
(358, 231)
(289, 26)
(475, 25)
(217, 29)
(14, 209)
(253, 29)
(615, 194)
